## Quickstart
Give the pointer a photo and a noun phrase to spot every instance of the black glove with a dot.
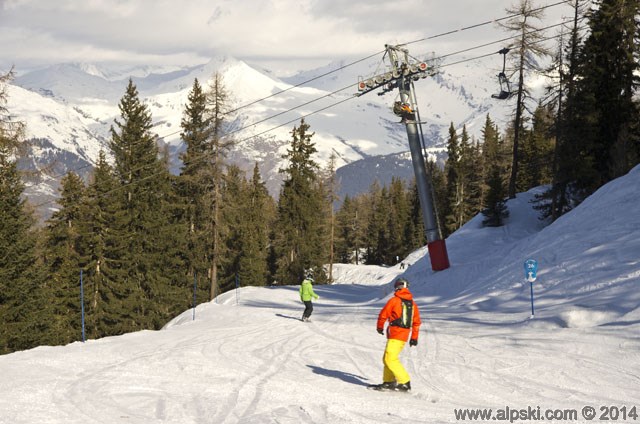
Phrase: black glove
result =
(380, 330)
(413, 342)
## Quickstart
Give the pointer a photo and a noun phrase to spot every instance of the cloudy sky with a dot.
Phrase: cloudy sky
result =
(283, 35)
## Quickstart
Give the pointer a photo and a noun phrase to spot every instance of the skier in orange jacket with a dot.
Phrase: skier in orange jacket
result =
(404, 324)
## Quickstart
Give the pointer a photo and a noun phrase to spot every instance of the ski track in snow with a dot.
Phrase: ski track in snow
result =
(247, 357)
(270, 367)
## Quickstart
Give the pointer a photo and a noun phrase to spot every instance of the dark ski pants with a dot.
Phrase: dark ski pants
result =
(308, 309)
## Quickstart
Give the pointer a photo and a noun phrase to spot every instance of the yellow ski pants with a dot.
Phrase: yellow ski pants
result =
(393, 369)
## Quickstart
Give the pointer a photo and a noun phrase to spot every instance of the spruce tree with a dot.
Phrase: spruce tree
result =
(463, 184)
(217, 146)
(330, 183)
(258, 217)
(298, 234)
(397, 218)
(22, 298)
(171, 283)
(597, 127)
(142, 234)
(494, 188)
(609, 65)
(453, 189)
(469, 171)
(528, 48)
(537, 151)
(414, 235)
(345, 220)
(63, 260)
(351, 225)
(102, 297)
(234, 202)
(133, 151)
(195, 181)
(559, 198)
(476, 178)
(439, 190)
(376, 225)
(22, 295)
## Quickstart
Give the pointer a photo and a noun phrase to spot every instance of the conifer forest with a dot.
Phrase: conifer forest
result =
(140, 238)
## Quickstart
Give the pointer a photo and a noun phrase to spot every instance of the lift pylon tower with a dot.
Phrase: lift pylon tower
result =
(401, 75)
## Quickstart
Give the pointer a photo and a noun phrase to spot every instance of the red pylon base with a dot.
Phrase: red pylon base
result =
(438, 255)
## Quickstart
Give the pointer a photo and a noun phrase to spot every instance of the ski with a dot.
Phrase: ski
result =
(381, 388)
(386, 388)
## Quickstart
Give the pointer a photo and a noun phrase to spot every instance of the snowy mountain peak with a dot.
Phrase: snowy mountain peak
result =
(91, 69)
(267, 108)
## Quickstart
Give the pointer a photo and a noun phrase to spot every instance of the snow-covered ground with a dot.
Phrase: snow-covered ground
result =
(247, 358)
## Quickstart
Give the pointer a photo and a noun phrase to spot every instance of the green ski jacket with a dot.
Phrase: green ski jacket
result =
(306, 291)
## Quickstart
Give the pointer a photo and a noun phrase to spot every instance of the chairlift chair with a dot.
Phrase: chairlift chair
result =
(505, 86)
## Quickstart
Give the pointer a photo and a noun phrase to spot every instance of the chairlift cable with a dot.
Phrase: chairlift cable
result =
(353, 63)
(384, 51)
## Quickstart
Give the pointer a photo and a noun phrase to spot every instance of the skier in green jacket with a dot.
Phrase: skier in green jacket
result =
(306, 294)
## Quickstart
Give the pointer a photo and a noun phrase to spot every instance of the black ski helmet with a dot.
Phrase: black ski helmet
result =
(401, 283)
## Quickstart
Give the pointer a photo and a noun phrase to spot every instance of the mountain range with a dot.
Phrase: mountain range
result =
(69, 109)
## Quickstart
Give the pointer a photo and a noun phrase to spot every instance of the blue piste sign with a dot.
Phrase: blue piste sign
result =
(530, 269)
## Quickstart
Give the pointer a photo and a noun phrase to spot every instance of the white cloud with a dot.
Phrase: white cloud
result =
(36, 32)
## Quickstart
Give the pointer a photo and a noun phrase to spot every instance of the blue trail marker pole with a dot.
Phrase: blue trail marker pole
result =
(237, 284)
(530, 273)
(82, 305)
(195, 286)
(531, 285)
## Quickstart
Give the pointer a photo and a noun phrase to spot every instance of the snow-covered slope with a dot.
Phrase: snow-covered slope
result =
(246, 357)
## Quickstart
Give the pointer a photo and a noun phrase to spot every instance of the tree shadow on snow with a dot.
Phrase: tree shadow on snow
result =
(340, 375)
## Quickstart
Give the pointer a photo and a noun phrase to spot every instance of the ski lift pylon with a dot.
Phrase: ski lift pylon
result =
(505, 86)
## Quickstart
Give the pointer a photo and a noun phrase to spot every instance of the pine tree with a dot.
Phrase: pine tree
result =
(453, 185)
(63, 260)
(259, 216)
(597, 124)
(298, 234)
(529, 49)
(101, 296)
(609, 68)
(345, 249)
(232, 234)
(463, 184)
(397, 218)
(22, 296)
(494, 190)
(217, 148)
(195, 180)
(469, 171)
(124, 250)
(440, 192)
(22, 301)
(414, 235)
(351, 225)
(537, 151)
(474, 190)
(171, 284)
(142, 232)
(558, 199)
(330, 183)
(376, 214)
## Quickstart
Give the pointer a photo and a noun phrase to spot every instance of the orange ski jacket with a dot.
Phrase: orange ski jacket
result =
(392, 311)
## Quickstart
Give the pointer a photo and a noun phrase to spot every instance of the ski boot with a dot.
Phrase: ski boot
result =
(405, 387)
